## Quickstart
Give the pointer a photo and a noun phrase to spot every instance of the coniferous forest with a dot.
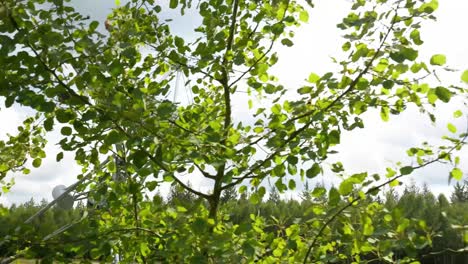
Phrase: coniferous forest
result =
(443, 220)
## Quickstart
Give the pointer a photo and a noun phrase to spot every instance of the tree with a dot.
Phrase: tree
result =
(306, 193)
(460, 192)
(108, 96)
(179, 195)
(229, 195)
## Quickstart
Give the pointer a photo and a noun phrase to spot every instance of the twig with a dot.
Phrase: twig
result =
(328, 107)
(373, 189)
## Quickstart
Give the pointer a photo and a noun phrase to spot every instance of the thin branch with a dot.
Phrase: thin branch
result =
(328, 107)
(376, 188)
(185, 186)
(275, 37)
(207, 74)
(455, 251)
(232, 29)
(183, 128)
(205, 173)
(47, 68)
(255, 142)
(255, 63)
(353, 84)
(225, 80)
(227, 105)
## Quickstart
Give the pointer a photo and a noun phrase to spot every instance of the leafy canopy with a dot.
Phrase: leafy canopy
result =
(109, 95)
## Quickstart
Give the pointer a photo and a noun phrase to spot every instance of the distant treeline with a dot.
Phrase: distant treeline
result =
(446, 218)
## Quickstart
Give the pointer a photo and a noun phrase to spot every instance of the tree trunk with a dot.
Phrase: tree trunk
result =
(214, 203)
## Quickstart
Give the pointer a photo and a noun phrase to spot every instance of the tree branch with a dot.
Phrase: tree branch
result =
(255, 63)
(225, 79)
(185, 186)
(353, 84)
(264, 54)
(84, 99)
(316, 113)
(207, 74)
(376, 188)
(206, 174)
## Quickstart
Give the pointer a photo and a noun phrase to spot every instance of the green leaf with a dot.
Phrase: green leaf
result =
(63, 116)
(362, 84)
(385, 113)
(406, 170)
(313, 171)
(179, 42)
(318, 191)
(438, 59)
(281, 186)
(333, 196)
(243, 189)
(304, 90)
(394, 183)
(4, 167)
(255, 198)
(313, 78)
(452, 128)
(429, 7)
(173, 4)
(151, 185)
(139, 159)
(292, 184)
(361, 51)
(464, 76)
(116, 68)
(181, 209)
(114, 137)
(304, 16)
(37, 162)
(457, 114)
(443, 94)
(59, 156)
(287, 42)
(456, 173)
(49, 124)
(117, 2)
(334, 137)
(346, 187)
(9, 101)
(93, 25)
(409, 53)
(276, 109)
(66, 131)
(346, 46)
(431, 96)
(388, 84)
(5, 190)
(144, 249)
(404, 54)
(368, 227)
(388, 218)
(415, 36)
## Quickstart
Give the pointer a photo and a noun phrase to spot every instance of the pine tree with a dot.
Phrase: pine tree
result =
(460, 192)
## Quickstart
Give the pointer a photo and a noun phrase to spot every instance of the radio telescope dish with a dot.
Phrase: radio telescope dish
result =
(66, 201)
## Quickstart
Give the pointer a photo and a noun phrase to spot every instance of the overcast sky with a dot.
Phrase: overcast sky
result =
(373, 148)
